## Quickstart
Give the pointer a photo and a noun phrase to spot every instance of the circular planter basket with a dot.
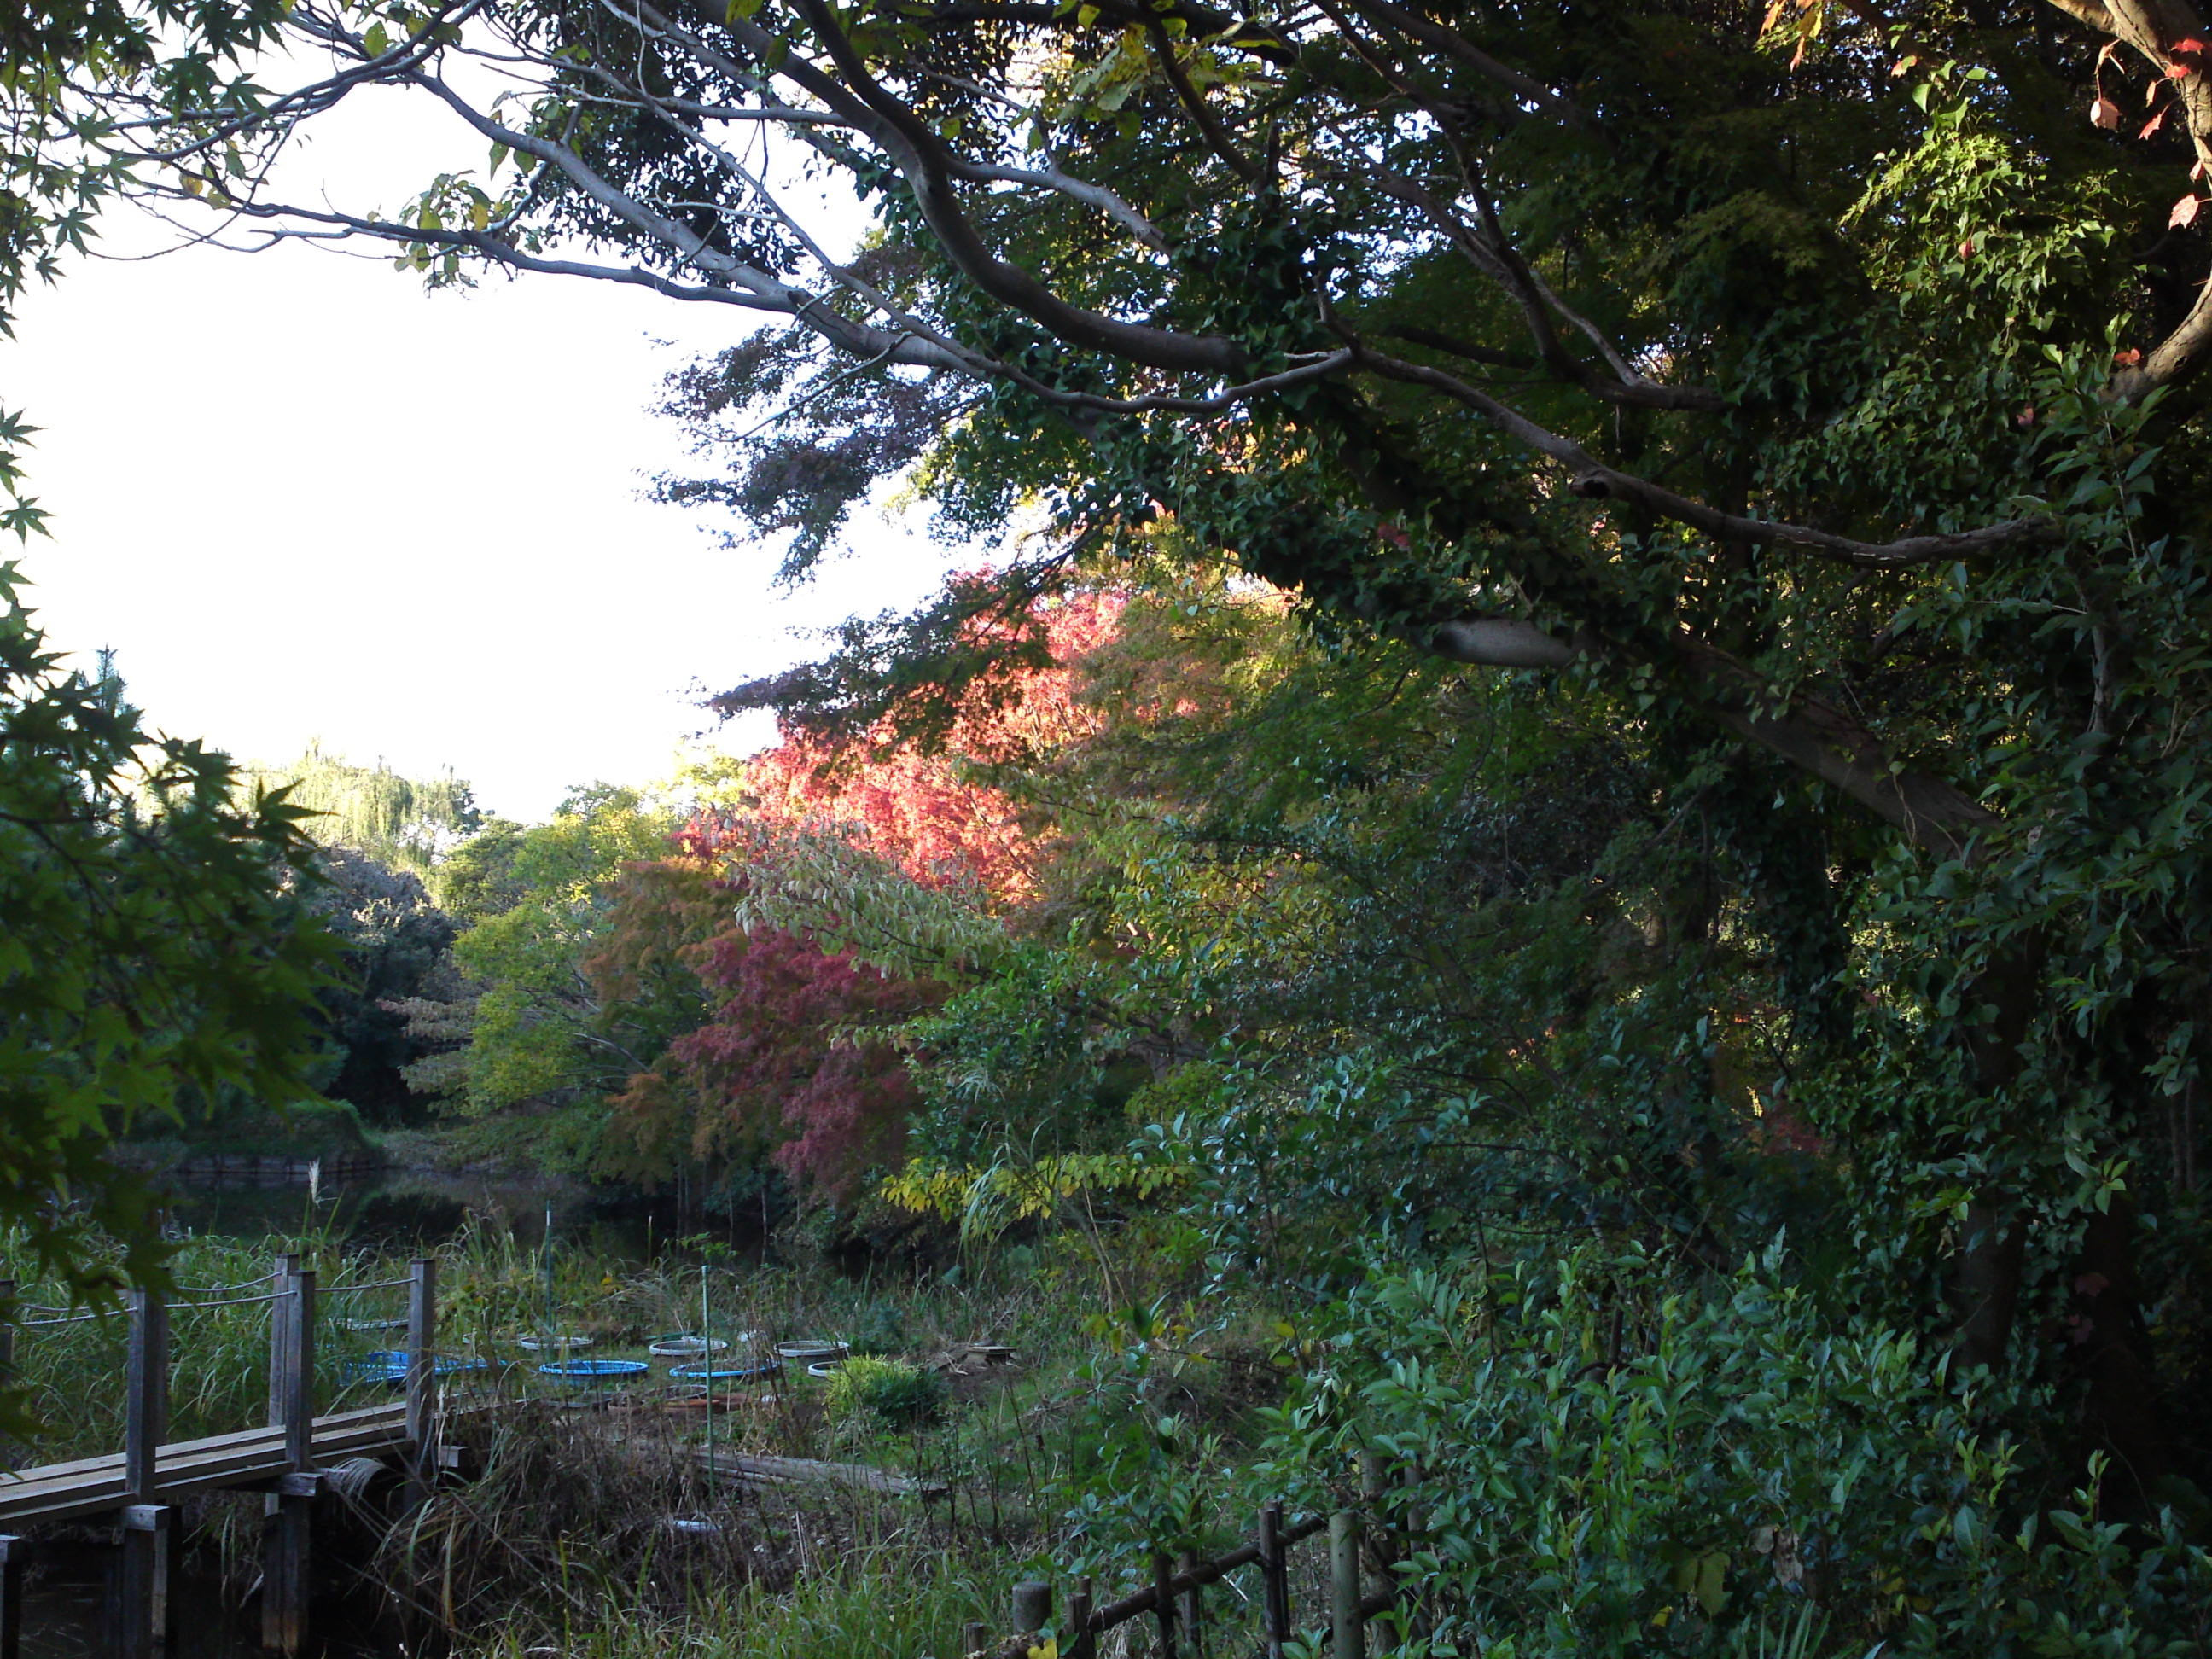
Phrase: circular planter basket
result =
(724, 1373)
(684, 1346)
(811, 1353)
(580, 1373)
(553, 1344)
(390, 1365)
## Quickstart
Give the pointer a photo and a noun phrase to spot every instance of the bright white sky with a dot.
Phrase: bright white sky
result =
(305, 500)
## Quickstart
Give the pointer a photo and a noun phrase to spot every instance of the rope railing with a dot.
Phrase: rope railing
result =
(374, 1284)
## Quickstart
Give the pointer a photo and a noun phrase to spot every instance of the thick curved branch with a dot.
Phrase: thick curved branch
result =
(1594, 479)
(1209, 125)
(923, 159)
(1811, 733)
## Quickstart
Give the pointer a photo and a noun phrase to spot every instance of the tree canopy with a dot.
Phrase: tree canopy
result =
(157, 961)
(1797, 416)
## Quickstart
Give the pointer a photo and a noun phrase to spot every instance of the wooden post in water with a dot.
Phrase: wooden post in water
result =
(287, 1513)
(423, 1377)
(1275, 1579)
(1080, 1643)
(1347, 1630)
(1164, 1602)
(142, 1604)
(13, 1552)
(149, 1559)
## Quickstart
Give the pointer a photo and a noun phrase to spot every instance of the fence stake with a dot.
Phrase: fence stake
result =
(13, 1550)
(421, 1376)
(1194, 1631)
(148, 1611)
(974, 1636)
(1348, 1636)
(1275, 1589)
(1032, 1606)
(146, 1402)
(1164, 1602)
(1080, 1643)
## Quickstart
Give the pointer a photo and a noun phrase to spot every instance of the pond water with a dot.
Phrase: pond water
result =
(402, 1210)
(65, 1615)
(67, 1599)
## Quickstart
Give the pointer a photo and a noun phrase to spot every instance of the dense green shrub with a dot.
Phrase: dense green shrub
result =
(1611, 1459)
(889, 1390)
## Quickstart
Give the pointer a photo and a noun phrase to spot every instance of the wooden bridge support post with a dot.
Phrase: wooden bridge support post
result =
(422, 1378)
(143, 1604)
(1347, 1629)
(13, 1552)
(287, 1513)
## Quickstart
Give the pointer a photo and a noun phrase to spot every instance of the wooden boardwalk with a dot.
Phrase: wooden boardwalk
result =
(287, 1462)
(97, 1485)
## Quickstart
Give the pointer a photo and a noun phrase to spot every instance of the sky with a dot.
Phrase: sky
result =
(306, 501)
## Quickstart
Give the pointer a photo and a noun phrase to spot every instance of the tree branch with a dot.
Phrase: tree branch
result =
(1593, 479)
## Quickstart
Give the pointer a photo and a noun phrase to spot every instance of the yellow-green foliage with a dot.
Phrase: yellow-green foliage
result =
(983, 1202)
(888, 1388)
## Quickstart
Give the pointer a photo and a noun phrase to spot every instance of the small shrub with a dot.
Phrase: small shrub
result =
(900, 1394)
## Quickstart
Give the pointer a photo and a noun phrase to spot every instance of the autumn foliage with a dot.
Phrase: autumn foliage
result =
(926, 810)
(792, 1054)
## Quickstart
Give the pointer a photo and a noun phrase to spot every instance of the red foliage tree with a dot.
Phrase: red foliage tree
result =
(927, 812)
(783, 1062)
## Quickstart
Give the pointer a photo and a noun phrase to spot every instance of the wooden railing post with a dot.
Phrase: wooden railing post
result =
(287, 1513)
(422, 1376)
(299, 1376)
(280, 1339)
(146, 1398)
(1164, 1602)
(1275, 1579)
(1348, 1628)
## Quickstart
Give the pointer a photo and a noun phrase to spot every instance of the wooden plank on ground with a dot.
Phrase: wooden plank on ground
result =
(806, 1470)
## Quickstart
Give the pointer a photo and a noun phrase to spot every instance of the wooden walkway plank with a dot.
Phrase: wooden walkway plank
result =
(63, 1492)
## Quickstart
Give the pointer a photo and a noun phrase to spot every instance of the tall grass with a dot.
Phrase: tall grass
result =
(601, 1534)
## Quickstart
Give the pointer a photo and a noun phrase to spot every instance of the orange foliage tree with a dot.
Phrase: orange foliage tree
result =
(794, 1054)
